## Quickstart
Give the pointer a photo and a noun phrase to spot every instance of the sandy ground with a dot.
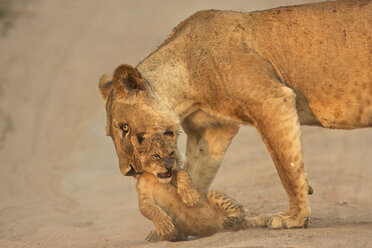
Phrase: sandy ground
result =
(60, 185)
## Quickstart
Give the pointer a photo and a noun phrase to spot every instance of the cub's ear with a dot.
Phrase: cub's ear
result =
(105, 85)
(128, 78)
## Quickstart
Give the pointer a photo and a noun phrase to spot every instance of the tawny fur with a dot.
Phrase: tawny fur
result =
(174, 205)
(274, 69)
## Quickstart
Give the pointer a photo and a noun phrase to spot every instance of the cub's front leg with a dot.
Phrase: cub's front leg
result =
(165, 229)
(186, 190)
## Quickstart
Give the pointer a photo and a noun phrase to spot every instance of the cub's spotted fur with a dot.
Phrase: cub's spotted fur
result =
(168, 197)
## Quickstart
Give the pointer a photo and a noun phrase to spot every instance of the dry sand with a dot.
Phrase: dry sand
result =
(60, 185)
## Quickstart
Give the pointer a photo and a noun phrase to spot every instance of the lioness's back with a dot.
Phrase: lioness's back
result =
(323, 51)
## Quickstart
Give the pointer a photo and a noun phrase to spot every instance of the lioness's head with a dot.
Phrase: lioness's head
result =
(132, 111)
(157, 154)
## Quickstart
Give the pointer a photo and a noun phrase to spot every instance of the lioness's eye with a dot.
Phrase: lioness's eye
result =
(156, 156)
(124, 128)
(172, 154)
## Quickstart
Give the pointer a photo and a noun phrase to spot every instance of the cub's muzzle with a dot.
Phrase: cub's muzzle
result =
(169, 162)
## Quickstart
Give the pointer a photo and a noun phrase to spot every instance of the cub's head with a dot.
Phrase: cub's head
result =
(133, 111)
(158, 155)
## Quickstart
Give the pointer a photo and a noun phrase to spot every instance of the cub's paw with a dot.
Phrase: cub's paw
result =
(166, 230)
(152, 237)
(234, 216)
(189, 195)
(231, 221)
(284, 221)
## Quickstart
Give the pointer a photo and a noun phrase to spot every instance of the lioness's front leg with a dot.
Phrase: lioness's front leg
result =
(206, 146)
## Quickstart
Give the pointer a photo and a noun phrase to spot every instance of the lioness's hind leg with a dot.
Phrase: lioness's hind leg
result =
(234, 212)
(310, 190)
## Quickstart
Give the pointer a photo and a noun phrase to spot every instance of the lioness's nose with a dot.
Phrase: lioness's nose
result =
(169, 162)
(126, 169)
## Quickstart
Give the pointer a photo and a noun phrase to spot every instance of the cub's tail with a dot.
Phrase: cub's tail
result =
(257, 221)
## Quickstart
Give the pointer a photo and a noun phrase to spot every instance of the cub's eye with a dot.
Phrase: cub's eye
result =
(172, 154)
(156, 156)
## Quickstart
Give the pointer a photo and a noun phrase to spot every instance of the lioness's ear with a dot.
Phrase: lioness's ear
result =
(137, 142)
(105, 85)
(127, 78)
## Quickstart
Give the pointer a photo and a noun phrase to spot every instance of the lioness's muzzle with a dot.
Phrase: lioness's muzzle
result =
(131, 172)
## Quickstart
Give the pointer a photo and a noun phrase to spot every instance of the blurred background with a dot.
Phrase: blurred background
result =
(60, 185)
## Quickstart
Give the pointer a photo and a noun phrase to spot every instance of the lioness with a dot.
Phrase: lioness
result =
(168, 198)
(275, 70)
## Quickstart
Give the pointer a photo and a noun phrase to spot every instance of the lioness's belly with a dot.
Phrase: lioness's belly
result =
(343, 112)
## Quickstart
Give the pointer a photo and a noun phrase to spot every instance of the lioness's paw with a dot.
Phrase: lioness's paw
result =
(281, 221)
(189, 195)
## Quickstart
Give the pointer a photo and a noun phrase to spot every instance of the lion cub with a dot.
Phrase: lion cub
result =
(168, 197)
